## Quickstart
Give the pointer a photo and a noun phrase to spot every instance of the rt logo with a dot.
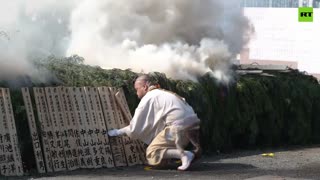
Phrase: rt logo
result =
(305, 14)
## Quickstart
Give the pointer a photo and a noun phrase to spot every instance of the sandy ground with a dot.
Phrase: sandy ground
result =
(301, 163)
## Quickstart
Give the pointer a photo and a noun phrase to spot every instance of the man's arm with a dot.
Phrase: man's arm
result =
(134, 125)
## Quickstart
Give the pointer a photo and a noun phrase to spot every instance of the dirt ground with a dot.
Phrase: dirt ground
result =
(298, 163)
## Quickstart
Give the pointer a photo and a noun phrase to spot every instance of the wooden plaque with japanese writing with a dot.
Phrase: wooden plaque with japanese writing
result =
(54, 106)
(82, 113)
(131, 151)
(90, 122)
(45, 125)
(10, 157)
(111, 119)
(33, 131)
(80, 127)
(103, 153)
(70, 130)
(74, 123)
(134, 148)
(13, 132)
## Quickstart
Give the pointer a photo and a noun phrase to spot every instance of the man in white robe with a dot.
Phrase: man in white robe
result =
(162, 120)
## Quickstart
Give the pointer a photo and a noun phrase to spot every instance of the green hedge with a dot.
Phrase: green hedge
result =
(253, 111)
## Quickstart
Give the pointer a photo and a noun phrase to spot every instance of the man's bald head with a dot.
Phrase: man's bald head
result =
(141, 85)
(144, 78)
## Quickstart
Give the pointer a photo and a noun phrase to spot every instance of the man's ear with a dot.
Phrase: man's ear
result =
(146, 87)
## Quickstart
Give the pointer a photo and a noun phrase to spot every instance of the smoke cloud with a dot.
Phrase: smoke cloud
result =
(182, 38)
(31, 29)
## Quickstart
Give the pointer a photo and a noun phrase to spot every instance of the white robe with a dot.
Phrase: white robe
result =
(157, 109)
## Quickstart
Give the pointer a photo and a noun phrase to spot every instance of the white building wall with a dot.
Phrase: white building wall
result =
(279, 36)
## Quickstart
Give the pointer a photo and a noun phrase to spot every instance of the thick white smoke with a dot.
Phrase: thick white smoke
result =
(182, 38)
(31, 29)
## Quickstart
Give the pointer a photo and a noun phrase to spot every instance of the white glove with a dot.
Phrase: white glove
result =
(114, 132)
(118, 132)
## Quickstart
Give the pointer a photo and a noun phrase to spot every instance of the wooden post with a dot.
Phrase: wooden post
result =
(134, 148)
(104, 155)
(13, 164)
(80, 131)
(110, 114)
(33, 131)
(6, 149)
(70, 129)
(83, 116)
(54, 106)
(93, 131)
(131, 150)
(45, 123)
